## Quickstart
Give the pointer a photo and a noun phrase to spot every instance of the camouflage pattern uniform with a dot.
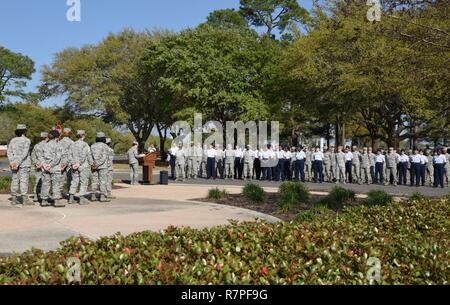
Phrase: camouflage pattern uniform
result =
(365, 168)
(110, 169)
(327, 165)
(340, 167)
(190, 160)
(82, 159)
(356, 166)
(19, 157)
(66, 175)
(133, 157)
(430, 170)
(220, 155)
(51, 179)
(100, 156)
(198, 155)
(203, 163)
(249, 158)
(36, 158)
(180, 164)
(391, 166)
(333, 166)
(229, 163)
(308, 165)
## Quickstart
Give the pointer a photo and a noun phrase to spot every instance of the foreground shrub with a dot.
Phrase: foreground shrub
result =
(254, 193)
(293, 194)
(5, 184)
(337, 198)
(217, 194)
(332, 249)
(379, 197)
(312, 214)
(417, 197)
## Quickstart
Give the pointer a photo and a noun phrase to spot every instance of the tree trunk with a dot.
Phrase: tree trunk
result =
(343, 139)
(162, 131)
(337, 130)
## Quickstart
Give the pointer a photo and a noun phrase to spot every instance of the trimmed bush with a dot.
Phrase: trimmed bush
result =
(217, 194)
(293, 194)
(417, 197)
(331, 249)
(379, 197)
(337, 198)
(254, 193)
(5, 184)
(312, 213)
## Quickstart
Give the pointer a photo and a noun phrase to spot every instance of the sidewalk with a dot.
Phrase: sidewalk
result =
(136, 209)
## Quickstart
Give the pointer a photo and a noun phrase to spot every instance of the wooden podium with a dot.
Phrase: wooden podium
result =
(148, 164)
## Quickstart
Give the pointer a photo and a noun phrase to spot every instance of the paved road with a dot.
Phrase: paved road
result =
(44, 228)
(360, 189)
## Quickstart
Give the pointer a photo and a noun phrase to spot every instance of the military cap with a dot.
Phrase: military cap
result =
(108, 140)
(67, 130)
(81, 132)
(44, 134)
(135, 143)
(101, 135)
(21, 127)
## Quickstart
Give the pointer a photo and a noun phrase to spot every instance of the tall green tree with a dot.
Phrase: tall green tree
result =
(105, 80)
(219, 72)
(227, 18)
(15, 70)
(273, 14)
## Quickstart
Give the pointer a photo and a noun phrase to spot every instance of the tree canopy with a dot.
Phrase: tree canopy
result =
(15, 70)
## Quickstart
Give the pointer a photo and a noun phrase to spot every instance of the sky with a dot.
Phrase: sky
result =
(39, 28)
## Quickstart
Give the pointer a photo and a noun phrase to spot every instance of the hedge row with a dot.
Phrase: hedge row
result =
(410, 239)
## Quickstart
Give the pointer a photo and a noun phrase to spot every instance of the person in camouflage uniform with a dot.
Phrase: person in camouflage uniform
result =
(327, 165)
(66, 143)
(391, 166)
(220, 155)
(229, 162)
(198, 155)
(81, 168)
(20, 163)
(366, 176)
(249, 157)
(180, 163)
(204, 162)
(133, 160)
(100, 156)
(109, 185)
(308, 164)
(36, 158)
(430, 169)
(356, 165)
(52, 165)
(190, 160)
(340, 166)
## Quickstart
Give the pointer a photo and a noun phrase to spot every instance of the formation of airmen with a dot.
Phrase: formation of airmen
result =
(57, 160)
(341, 165)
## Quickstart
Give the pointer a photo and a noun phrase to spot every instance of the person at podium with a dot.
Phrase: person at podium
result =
(133, 160)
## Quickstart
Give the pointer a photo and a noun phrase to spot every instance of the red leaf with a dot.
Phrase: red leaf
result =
(344, 267)
(265, 271)
(127, 250)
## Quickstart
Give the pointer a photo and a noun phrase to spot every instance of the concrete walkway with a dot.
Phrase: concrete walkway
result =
(136, 209)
